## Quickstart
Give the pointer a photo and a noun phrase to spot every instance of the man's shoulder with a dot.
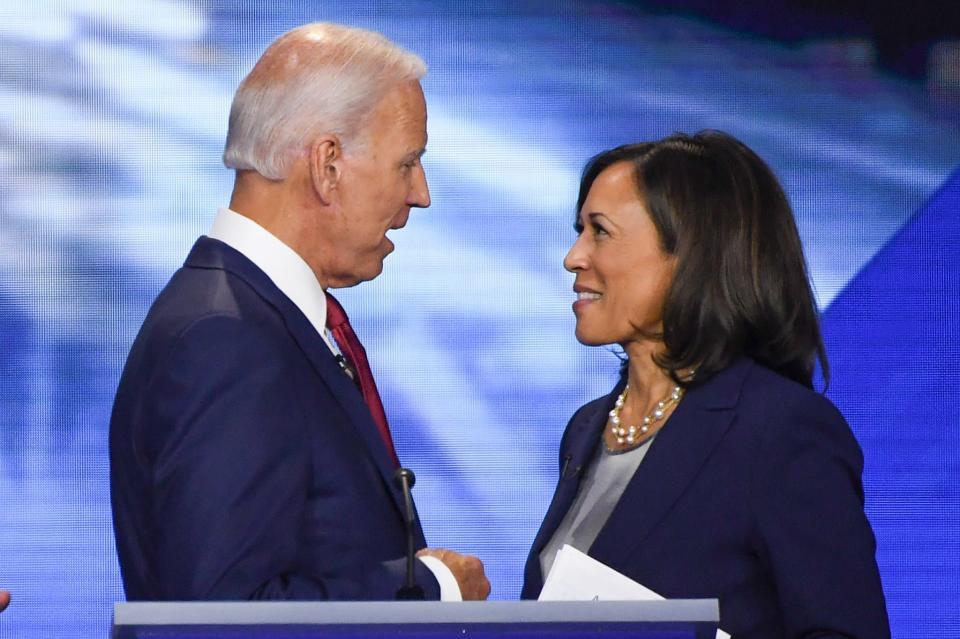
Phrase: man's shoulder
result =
(193, 293)
(214, 304)
(205, 286)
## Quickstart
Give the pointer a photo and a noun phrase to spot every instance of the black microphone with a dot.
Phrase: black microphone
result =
(410, 590)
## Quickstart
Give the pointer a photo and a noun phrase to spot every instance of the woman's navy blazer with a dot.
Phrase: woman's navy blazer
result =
(751, 493)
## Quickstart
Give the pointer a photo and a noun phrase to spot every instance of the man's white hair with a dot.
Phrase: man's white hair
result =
(315, 79)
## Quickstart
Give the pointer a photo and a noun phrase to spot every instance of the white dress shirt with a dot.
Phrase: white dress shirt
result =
(295, 279)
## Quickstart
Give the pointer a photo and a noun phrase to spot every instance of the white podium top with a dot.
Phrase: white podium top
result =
(412, 612)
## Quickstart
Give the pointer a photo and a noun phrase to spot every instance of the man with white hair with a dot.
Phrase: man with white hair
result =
(250, 454)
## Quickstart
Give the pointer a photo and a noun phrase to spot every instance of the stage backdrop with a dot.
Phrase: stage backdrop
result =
(112, 119)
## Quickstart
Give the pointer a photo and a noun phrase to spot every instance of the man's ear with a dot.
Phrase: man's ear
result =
(326, 162)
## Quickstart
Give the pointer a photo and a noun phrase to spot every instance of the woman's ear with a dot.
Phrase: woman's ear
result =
(326, 155)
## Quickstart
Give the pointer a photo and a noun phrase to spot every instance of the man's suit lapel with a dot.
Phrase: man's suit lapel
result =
(673, 461)
(210, 253)
(577, 450)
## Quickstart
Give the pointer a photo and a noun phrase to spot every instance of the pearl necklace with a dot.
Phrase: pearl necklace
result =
(633, 436)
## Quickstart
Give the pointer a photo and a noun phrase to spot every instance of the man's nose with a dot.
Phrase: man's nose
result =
(419, 191)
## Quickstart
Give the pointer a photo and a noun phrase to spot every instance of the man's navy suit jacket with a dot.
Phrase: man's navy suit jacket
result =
(244, 462)
(751, 494)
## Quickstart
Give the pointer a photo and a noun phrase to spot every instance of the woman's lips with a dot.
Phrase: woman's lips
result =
(585, 298)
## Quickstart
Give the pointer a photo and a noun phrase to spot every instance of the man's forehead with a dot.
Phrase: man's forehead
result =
(400, 119)
(408, 111)
(408, 101)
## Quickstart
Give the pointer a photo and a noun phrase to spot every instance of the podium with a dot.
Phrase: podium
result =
(675, 619)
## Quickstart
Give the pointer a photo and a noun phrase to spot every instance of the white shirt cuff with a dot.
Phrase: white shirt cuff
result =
(449, 588)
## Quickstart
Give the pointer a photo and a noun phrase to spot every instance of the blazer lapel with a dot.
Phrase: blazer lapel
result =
(210, 253)
(673, 461)
(576, 451)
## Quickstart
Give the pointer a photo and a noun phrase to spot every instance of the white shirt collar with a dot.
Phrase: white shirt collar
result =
(292, 275)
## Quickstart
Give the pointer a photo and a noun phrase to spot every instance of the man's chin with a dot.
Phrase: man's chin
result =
(362, 273)
(371, 273)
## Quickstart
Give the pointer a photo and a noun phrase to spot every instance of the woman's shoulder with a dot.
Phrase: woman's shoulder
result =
(767, 389)
(781, 410)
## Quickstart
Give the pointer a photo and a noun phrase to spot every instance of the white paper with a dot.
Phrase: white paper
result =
(576, 576)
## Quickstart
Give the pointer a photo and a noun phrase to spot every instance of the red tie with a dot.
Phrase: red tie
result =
(339, 325)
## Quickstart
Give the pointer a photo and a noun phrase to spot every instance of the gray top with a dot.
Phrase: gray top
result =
(600, 491)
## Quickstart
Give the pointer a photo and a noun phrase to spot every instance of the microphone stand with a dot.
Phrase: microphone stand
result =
(410, 590)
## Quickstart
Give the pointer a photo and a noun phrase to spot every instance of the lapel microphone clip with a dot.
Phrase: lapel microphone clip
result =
(564, 474)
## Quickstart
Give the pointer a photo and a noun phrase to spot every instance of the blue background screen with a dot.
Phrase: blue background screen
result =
(112, 121)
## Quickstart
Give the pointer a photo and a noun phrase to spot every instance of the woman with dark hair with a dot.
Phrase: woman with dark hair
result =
(713, 469)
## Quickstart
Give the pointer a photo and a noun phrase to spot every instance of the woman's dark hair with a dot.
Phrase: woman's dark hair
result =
(740, 286)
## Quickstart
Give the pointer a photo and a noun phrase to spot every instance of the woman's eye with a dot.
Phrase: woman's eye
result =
(599, 230)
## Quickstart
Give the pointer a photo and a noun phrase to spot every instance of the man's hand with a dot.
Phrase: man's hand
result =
(5, 599)
(467, 569)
